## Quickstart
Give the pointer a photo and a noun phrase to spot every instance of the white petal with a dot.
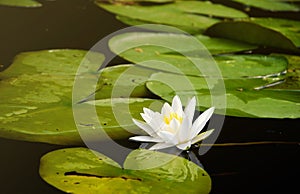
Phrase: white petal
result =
(177, 106)
(156, 122)
(189, 110)
(161, 146)
(184, 131)
(145, 127)
(167, 136)
(147, 118)
(145, 139)
(202, 136)
(148, 112)
(166, 110)
(175, 125)
(184, 146)
(201, 121)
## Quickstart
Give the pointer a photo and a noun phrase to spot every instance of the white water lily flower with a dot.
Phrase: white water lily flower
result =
(173, 126)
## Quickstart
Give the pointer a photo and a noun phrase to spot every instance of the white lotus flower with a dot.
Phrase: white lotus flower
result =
(173, 126)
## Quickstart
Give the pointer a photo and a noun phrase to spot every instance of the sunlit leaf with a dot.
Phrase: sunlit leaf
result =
(230, 65)
(123, 81)
(244, 97)
(271, 32)
(36, 99)
(192, 16)
(79, 170)
(20, 3)
(289, 28)
(214, 45)
(270, 5)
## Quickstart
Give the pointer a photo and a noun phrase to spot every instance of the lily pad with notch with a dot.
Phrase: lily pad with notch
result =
(82, 170)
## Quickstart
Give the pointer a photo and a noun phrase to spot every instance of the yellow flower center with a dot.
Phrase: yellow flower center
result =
(169, 118)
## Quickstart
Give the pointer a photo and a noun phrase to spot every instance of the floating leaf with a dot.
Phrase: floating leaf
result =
(292, 80)
(130, 21)
(149, 55)
(78, 170)
(192, 16)
(115, 116)
(271, 32)
(214, 45)
(289, 28)
(36, 98)
(242, 95)
(139, 1)
(123, 81)
(270, 5)
(20, 3)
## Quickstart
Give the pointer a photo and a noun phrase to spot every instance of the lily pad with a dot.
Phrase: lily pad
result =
(36, 99)
(78, 170)
(271, 32)
(292, 78)
(270, 5)
(21, 3)
(289, 28)
(139, 1)
(192, 16)
(123, 81)
(244, 99)
(149, 55)
(214, 45)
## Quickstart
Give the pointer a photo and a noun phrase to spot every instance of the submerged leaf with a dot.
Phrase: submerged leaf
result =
(78, 170)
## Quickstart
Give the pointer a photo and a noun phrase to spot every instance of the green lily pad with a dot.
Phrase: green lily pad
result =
(21, 3)
(192, 16)
(271, 32)
(36, 99)
(289, 28)
(139, 1)
(114, 115)
(78, 170)
(292, 78)
(243, 99)
(232, 66)
(270, 5)
(123, 81)
(214, 45)
(129, 21)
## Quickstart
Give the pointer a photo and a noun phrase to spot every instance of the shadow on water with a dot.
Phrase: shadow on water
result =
(79, 24)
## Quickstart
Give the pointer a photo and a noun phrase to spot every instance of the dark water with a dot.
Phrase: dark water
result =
(78, 24)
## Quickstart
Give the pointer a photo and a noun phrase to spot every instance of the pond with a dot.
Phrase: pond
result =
(251, 155)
